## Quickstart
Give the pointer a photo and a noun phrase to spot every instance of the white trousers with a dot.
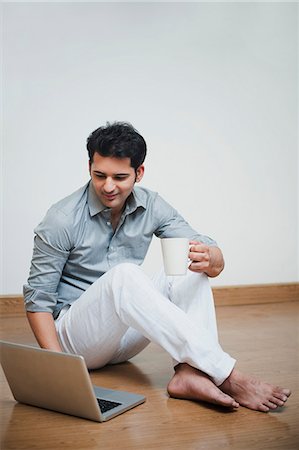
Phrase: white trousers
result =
(119, 314)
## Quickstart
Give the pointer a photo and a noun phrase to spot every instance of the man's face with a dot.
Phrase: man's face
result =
(113, 180)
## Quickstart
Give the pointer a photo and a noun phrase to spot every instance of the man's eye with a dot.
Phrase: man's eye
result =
(120, 178)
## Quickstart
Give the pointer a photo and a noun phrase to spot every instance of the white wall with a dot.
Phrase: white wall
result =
(212, 87)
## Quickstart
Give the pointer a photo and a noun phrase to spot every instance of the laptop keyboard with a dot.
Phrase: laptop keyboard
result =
(106, 405)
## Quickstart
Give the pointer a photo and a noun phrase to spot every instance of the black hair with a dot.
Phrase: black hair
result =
(118, 140)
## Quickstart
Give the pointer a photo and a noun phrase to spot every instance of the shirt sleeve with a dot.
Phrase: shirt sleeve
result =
(50, 253)
(171, 224)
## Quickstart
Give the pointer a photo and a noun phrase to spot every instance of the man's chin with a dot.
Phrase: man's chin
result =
(107, 201)
(113, 203)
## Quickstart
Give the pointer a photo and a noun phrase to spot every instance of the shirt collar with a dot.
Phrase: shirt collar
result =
(135, 200)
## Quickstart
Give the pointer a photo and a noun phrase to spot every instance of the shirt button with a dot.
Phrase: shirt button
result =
(108, 223)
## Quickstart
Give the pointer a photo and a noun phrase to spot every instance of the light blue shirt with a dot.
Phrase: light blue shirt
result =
(75, 243)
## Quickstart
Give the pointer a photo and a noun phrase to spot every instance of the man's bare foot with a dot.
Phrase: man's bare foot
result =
(254, 394)
(191, 384)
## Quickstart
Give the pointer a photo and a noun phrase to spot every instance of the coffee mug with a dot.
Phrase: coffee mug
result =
(175, 255)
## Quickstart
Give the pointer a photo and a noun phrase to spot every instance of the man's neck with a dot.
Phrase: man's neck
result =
(115, 218)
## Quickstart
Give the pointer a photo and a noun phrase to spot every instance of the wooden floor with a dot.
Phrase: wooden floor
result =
(264, 339)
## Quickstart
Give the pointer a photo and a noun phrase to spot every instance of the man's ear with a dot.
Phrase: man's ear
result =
(89, 166)
(139, 173)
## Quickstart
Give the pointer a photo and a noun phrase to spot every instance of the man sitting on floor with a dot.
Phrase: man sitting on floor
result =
(86, 293)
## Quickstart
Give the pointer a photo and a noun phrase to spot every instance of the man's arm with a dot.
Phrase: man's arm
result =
(205, 255)
(50, 254)
(43, 327)
(207, 259)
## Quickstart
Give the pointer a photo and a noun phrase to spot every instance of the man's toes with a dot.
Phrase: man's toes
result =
(262, 407)
(222, 399)
(235, 404)
(277, 401)
(270, 405)
(280, 396)
(282, 393)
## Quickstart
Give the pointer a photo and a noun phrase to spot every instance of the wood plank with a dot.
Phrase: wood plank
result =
(11, 305)
(254, 294)
(262, 339)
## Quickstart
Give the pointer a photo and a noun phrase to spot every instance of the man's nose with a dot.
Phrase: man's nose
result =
(109, 185)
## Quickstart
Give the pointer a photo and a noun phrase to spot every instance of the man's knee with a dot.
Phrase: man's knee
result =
(127, 271)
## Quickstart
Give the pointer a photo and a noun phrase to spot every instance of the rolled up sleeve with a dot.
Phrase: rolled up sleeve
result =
(48, 261)
(171, 224)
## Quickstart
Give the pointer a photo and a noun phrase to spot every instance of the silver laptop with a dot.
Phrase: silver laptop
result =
(60, 382)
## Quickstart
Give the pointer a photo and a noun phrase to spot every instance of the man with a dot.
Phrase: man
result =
(86, 293)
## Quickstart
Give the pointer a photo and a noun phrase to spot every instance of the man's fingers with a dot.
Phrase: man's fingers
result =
(200, 248)
(199, 266)
(199, 256)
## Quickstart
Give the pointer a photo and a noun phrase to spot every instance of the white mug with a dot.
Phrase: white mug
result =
(175, 255)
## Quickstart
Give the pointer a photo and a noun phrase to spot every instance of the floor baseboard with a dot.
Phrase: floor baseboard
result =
(253, 294)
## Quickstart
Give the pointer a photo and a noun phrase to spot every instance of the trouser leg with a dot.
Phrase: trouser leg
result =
(133, 342)
(105, 340)
(126, 297)
(194, 296)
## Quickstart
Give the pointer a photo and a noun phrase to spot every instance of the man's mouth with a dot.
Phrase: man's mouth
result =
(110, 196)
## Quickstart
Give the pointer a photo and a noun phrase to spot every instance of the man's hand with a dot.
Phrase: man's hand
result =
(205, 259)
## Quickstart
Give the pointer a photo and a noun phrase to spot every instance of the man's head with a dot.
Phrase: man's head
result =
(116, 153)
(117, 140)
